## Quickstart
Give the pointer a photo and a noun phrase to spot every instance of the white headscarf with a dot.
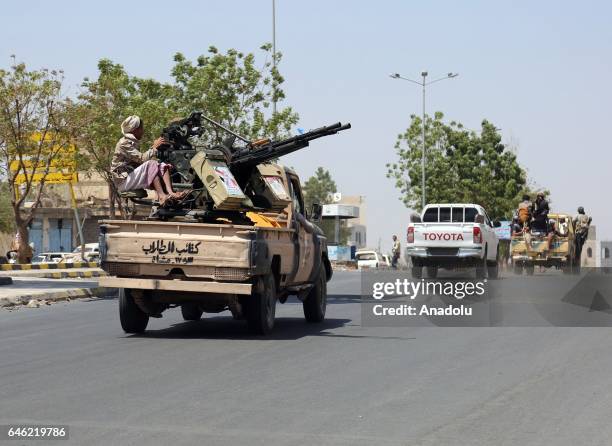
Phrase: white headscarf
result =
(130, 124)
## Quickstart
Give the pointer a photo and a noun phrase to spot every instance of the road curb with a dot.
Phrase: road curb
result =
(57, 274)
(78, 293)
(37, 266)
(68, 275)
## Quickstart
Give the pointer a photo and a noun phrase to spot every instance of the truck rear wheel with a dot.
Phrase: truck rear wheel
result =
(191, 311)
(493, 267)
(417, 268)
(432, 272)
(260, 306)
(315, 303)
(133, 319)
(518, 269)
(481, 267)
(529, 269)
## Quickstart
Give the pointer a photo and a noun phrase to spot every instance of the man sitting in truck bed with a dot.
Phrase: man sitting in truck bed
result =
(133, 169)
(540, 214)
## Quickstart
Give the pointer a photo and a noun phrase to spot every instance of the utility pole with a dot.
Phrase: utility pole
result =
(424, 74)
(274, 54)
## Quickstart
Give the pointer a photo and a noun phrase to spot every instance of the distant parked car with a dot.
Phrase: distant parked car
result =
(92, 253)
(371, 259)
(51, 257)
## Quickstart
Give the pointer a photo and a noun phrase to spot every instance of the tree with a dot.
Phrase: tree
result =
(7, 219)
(33, 132)
(461, 166)
(231, 89)
(320, 188)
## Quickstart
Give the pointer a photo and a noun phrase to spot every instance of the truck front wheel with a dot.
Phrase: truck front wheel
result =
(133, 319)
(315, 303)
(260, 306)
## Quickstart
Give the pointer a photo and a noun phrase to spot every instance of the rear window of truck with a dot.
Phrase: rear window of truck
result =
(430, 215)
(450, 214)
(470, 215)
(445, 215)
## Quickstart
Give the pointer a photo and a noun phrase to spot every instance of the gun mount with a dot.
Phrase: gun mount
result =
(227, 178)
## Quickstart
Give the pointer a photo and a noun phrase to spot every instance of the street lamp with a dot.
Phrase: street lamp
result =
(274, 52)
(423, 84)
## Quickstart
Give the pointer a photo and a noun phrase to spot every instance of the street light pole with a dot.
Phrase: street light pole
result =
(424, 74)
(423, 84)
(274, 54)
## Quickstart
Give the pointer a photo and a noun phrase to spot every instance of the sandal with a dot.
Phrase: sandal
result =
(181, 195)
(167, 201)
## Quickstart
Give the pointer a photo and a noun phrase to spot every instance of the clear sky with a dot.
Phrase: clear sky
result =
(541, 71)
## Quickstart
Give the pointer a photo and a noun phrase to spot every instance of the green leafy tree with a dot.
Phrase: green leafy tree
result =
(33, 132)
(461, 166)
(320, 188)
(7, 220)
(232, 89)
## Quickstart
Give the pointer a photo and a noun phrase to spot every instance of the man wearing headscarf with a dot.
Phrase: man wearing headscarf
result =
(132, 169)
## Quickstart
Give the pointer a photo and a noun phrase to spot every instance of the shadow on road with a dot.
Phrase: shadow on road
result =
(285, 328)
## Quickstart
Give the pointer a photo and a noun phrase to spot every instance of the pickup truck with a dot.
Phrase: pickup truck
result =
(452, 236)
(555, 249)
(242, 267)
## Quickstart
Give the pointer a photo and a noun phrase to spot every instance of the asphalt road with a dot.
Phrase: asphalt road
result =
(338, 383)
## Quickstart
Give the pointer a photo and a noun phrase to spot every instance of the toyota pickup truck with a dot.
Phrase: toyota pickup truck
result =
(452, 236)
(243, 267)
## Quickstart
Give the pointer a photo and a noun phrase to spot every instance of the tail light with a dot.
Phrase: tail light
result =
(477, 234)
(410, 234)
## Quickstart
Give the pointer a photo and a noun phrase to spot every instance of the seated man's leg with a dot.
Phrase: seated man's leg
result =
(142, 177)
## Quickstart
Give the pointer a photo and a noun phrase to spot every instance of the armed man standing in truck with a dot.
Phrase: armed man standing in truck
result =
(582, 222)
(540, 214)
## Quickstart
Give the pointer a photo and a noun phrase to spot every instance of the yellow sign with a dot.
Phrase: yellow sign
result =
(50, 178)
(61, 169)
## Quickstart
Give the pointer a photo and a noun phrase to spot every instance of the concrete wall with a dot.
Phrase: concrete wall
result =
(591, 250)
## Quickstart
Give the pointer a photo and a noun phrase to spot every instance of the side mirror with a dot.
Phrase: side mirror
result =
(415, 218)
(316, 212)
(496, 224)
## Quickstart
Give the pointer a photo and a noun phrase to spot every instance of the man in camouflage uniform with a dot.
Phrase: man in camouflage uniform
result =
(581, 227)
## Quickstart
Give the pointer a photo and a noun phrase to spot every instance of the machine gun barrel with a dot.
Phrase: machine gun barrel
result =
(251, 156)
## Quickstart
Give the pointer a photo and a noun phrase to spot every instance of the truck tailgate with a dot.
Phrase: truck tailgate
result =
(159, 247)
(443, 235)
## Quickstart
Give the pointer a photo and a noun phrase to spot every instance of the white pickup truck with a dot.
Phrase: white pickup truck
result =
(452, 236)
